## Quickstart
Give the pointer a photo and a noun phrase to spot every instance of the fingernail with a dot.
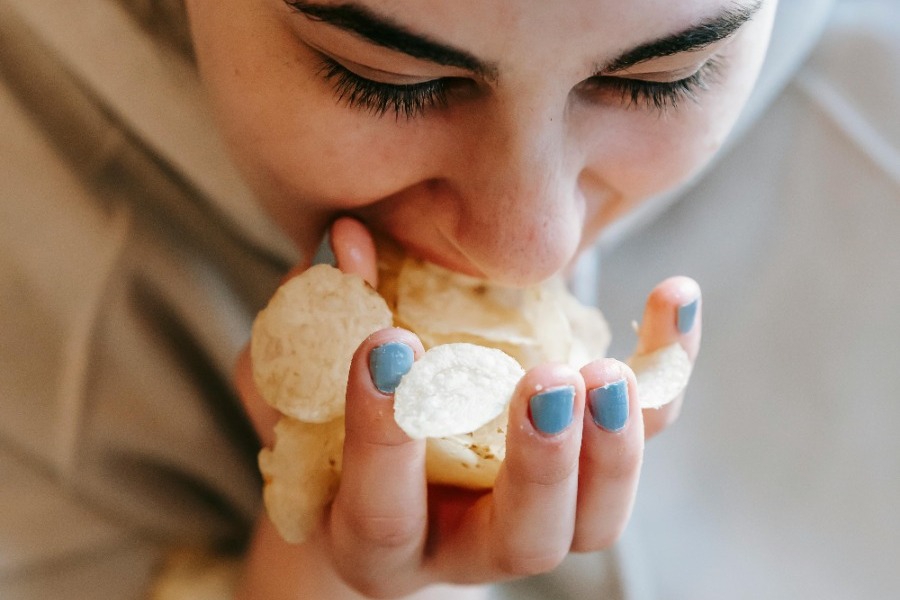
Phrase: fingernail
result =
(551, 411)
(325, 253)
(687, 313)
(609, 405)
(388, 364)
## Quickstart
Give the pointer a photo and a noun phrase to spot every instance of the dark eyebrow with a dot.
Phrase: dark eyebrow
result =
(384, 32)
(697, 37)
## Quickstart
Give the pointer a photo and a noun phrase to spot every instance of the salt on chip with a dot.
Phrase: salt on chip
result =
(661, 375)
(301, 474)
(304, 340)
(469, 460)
(454, 389)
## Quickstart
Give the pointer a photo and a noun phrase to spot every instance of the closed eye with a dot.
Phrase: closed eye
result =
(658, 95)
(378, 98)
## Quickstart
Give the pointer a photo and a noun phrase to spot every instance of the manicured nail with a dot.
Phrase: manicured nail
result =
(687, 313)
(388, 363)
(551, 411)
(325, 253)
(609, 405)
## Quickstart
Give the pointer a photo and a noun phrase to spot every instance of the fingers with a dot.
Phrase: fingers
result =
(379, 517)
(349, 246)
(355, 249)
(525, 526)
(673, 314)
(611, 455)
(534, 497)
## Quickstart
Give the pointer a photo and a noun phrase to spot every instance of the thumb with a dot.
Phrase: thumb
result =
(349, 246)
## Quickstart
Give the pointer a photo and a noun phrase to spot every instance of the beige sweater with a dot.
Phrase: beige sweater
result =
(132, 260)
(126, 291)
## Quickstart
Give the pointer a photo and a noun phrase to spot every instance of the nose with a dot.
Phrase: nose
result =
(520, 212)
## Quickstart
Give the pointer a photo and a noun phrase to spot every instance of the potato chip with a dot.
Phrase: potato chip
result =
(440, 306)
(661, 375)
(469, 460)
(304, 340)
(433, 301)
(301, 474)
(480, 337)
(454, 389)
(590, 331)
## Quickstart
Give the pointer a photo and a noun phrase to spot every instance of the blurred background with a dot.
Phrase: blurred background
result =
(782, 478)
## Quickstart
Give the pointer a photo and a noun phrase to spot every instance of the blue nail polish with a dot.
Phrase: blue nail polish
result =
(551, 411)
(324, 253)
(388, 363)
(687, 313)
(609, 405)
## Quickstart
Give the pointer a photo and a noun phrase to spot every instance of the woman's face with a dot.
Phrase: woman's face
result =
(495, 137)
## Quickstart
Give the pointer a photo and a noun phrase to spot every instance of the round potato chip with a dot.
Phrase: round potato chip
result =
(304, 340)
(455, 389)
(661, 375)
(301, 474)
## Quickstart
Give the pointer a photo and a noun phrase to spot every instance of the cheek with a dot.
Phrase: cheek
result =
(652, 155)
(643, 153)
(295, 143)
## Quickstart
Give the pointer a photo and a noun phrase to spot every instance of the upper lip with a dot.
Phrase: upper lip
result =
(455, 262)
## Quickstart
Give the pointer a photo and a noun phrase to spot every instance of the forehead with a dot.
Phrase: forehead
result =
(493, 29)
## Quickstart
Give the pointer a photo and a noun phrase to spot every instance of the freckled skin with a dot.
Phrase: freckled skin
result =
(511, 178)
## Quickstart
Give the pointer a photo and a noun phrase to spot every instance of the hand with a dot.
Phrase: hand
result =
(567, 484)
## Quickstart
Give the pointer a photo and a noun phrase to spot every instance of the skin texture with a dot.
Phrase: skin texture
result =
(519, 171)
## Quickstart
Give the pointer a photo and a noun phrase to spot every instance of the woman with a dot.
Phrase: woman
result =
(498, 141)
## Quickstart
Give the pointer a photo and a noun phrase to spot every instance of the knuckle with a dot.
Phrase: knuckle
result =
(386, 532)
(617, 462)
(550, 471)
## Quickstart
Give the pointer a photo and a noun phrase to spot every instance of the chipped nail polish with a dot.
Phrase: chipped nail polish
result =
(325, 253)
(551, 411)
(687, 314)
(388, 363)
(609, 405)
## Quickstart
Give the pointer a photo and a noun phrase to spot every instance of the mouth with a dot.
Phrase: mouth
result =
(445, 254)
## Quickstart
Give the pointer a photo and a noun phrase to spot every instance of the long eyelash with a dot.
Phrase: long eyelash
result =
(662, 96)
(378, 98)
